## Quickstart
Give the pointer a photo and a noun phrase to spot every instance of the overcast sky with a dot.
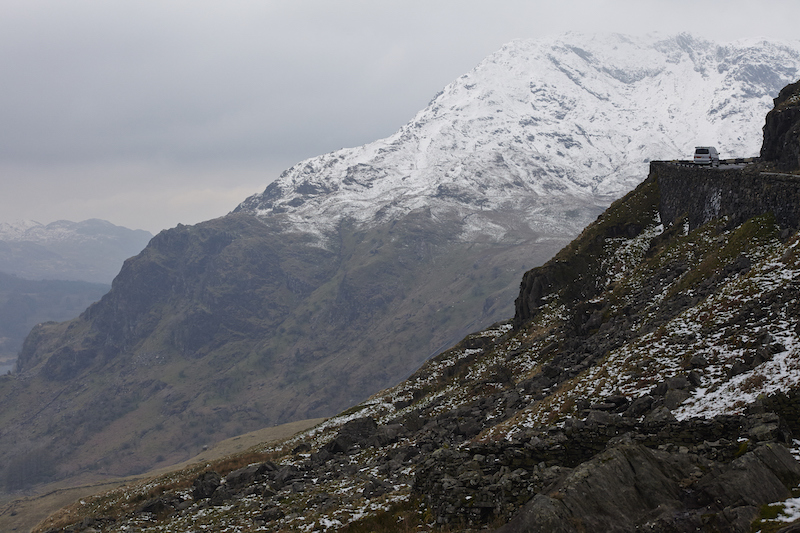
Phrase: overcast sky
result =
(153, 113)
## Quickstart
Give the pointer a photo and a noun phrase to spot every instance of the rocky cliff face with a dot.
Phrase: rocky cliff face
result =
(686, 194)
(782, 130)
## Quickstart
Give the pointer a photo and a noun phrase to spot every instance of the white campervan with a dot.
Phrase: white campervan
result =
(706, 155)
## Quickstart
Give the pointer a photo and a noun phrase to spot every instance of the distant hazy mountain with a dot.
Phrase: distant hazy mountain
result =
(92, 250)
(25, 303)
(355, 267)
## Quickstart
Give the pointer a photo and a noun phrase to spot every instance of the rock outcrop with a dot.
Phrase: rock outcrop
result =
(683, 193)
(632, 488)
(782, 130)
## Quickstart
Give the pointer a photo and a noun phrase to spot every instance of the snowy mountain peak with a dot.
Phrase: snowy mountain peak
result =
(572, 119)
(15, 231)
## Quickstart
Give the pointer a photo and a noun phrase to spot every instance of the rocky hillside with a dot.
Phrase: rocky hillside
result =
(232, 325)
(353, 268)
(649, 381)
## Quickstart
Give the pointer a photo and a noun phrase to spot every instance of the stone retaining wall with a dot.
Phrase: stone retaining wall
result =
(705, 193)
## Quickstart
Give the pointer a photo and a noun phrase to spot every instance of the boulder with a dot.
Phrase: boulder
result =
(640, 406)
(360, 430)
(205, 485)
(160, 506)
(221, 495)
(340, 444)
(659, 415)
(247, 475)
(751, 480)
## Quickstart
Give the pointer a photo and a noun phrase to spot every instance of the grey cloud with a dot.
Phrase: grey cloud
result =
(244, 87)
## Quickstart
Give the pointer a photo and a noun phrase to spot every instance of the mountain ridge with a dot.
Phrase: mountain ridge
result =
(257, 318)
(575, 117)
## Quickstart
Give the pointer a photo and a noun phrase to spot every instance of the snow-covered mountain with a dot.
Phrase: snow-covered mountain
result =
(543, 126)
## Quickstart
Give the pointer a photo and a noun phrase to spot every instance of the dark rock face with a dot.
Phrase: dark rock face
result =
(782, 130)
(628, 486)
(573, 273)
(650, 467)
